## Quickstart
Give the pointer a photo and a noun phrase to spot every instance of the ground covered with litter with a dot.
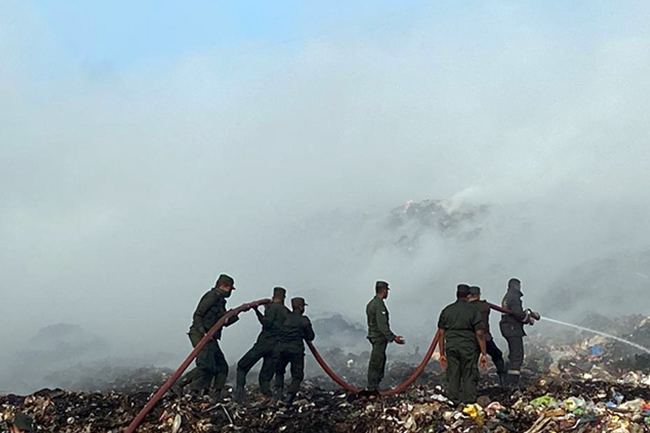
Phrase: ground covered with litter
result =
(572, 383)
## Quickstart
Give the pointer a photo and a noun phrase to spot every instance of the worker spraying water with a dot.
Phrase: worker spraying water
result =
(530, 317)
(512, 328)
(519, 317)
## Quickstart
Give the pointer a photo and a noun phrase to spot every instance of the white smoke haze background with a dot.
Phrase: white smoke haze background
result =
(125, 191)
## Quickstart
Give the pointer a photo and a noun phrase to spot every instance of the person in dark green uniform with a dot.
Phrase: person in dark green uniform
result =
(291, 349)
(512, 329)
(461, 333)
(272, 322)
(492, 349)
(211, 363)
(379, 335)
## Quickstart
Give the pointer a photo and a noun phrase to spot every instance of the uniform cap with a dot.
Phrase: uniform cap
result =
(462, 290)
(23, 422)
(279, 292)
(298, 302)
(381, 285)
(226, 280)
(474, 290)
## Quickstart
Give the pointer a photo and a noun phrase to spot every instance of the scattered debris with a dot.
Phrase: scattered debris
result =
(579, 386)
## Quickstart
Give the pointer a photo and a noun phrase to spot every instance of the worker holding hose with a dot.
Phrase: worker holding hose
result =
(512, 329)
(272, 322)
(461, 333)
(211, 363)
(379, 335)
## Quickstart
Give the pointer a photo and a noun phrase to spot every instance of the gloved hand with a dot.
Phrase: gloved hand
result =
(531, 317)
(231, 320)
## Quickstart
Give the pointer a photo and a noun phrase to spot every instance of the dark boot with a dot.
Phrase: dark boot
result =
(177, 388)
(240, 390)
(279, 391)
(240, 394)
(218, 394)
(503, 380)
(201, 386)
(513, 381)
(265, 387)
(289, 398)
(220, 381)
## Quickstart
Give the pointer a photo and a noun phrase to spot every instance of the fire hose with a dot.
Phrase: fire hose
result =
(416, 373)
(386, 392)
(177, 374)
(245, 307)
(530, 316)
(501, 309)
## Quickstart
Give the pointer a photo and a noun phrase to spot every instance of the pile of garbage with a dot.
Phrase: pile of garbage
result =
(573, 383)
(547, 404)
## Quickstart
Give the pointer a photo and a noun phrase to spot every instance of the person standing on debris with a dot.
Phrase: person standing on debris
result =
(272, 322)
(461, 332)
(21, 423)
(512, 329)
(210, 362)
(379, 335)
(483, 307)
(291, 349)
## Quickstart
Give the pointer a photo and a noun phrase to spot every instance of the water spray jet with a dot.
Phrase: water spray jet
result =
(582, 328)
(604, 334)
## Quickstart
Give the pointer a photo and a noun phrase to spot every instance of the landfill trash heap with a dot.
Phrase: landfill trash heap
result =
(572, 383)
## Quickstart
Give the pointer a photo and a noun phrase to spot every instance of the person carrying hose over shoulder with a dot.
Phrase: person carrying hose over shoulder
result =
(461, 335)
(379, 335)
(272, 322)
(492, 349)
(512, 329)
(211, 363)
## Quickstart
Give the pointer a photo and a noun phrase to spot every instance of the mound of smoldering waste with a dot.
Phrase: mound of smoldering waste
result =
(582, 384)
(546, 405)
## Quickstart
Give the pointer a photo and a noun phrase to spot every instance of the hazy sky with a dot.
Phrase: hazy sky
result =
(145, 148)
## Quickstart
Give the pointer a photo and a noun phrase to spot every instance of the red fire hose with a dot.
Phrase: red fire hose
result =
(177, 374)
(418, 370)
(343, 384)
(386, 392)
(501, 309)
(402, 387)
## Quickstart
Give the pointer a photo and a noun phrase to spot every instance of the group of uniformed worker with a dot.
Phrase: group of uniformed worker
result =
(463, 326)
(280, 343)
(465, 339)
